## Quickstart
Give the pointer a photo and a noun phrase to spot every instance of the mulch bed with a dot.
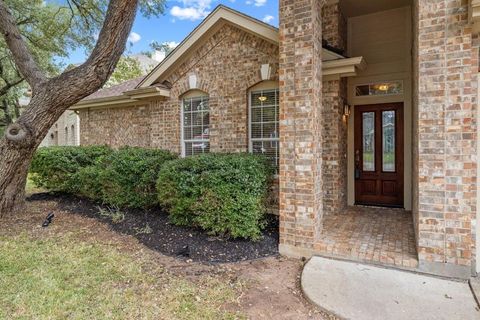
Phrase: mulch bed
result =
(186, 243)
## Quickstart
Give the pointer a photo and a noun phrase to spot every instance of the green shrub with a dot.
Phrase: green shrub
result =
(128, 176)
(56, 168)
(89, 181)
(223, 194)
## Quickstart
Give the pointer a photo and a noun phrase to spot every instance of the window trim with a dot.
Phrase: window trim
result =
(369, 84)
(250, 139)
(190, 96)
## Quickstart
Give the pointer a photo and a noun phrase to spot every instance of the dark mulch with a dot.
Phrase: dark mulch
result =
(182, 242)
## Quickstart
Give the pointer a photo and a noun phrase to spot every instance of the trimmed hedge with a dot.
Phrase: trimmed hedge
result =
(55, 168)
(127, 177)
(224, 194)
(123, 178)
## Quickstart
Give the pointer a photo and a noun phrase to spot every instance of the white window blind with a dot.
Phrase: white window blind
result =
(264, 124)
(196, 126)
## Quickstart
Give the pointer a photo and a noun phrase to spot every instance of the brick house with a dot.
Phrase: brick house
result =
(65, 131)
(368, 108)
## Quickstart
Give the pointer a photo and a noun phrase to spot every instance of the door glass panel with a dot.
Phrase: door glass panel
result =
(368, 141)
(388, 137)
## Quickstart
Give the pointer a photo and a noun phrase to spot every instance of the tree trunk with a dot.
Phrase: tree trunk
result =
(13, 177)
(17, 147)
(51, 97)
(22, 138)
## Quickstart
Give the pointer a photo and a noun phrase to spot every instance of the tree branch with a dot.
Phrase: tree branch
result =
(9, 85)
(53, 96)
(22, 56)
(102, 61)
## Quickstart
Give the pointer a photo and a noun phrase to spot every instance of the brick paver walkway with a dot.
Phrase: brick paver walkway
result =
(374, 235)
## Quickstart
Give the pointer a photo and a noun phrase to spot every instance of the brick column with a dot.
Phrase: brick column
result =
(334, 26)
(334, 147)
(334, 125)
(446, 66)
(300, 180)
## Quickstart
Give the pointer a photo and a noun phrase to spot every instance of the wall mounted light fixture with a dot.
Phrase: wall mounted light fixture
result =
(347, 110)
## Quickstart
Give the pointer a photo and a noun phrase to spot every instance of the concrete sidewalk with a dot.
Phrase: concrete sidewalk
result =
(357, 291)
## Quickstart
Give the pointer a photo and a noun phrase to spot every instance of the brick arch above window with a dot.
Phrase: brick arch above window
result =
(183, 87)
(255, 78)
(193, 93)
(264, 85)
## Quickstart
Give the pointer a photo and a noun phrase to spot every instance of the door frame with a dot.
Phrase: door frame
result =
(399, 149)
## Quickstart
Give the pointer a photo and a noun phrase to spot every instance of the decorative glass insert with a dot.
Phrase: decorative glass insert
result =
(388, 137)
(196, 125)
(379, 89)
(264, 124)
(368, 141)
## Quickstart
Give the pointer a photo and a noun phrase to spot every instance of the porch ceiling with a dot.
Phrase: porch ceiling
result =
(353, 8)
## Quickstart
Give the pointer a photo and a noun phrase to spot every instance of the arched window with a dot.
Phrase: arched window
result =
(72, 134)
(264, 135)
(195, 123)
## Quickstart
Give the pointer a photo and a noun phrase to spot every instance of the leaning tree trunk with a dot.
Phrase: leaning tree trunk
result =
(19, 143)
(51, 97)
(13, 177)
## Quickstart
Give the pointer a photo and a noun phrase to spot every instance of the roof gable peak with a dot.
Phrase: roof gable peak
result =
(221, 14)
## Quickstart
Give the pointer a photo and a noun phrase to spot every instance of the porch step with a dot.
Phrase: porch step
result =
(408, 264)
(357, 291)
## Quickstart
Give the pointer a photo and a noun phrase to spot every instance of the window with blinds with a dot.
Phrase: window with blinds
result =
(196, 126)
(264, 137)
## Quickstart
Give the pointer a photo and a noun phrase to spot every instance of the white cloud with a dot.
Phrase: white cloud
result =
(172, 44)
(191, 9)
(256, 3)
(134, 37)
(268, 18)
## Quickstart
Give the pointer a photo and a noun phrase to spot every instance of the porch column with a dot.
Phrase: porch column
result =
(334, 125)
(446, 67)
(301, 192)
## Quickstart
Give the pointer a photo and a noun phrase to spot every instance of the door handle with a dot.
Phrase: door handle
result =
(357, 164)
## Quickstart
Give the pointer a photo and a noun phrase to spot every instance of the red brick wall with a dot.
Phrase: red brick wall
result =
(301, 186)
(334, 128)
(226, 66)
(116, 127)
(445, 168)
(334, 146)
(334, 26)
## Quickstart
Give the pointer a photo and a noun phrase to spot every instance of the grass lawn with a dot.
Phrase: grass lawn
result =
(60, 278)
(79, 268)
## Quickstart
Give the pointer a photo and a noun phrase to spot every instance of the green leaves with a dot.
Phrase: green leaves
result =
(56, 168)
(128, 176)
(224, 194)
(127, 68)
(121, 178)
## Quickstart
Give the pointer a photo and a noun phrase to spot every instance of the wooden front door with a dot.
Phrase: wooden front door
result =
(379, 155)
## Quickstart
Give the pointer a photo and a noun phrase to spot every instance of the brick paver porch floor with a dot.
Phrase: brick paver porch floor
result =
(372, 235)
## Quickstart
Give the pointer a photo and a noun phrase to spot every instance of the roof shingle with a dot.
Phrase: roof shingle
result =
(116, 90)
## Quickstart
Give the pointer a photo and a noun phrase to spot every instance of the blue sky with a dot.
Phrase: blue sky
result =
(181, 17)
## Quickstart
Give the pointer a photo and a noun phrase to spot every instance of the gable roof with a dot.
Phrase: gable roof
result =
(211, 23)
(220, 15)
(334, 64)
(121, 94)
